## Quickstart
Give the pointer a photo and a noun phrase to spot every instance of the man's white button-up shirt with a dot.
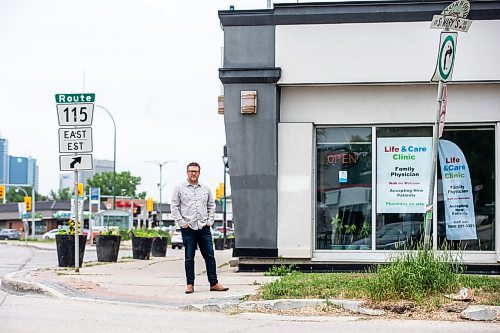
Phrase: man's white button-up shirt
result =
(194, 205)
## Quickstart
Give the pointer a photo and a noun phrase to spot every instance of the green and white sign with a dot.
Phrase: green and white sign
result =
(403, 174)
(74, 98)
(446, 57)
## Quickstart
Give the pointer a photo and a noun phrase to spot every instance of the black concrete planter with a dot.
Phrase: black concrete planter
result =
(107, 248)
(141, 247)
(219, 243)
(66, 249)
(159, 247)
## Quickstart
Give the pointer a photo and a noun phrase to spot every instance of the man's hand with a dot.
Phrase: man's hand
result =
(185, 225)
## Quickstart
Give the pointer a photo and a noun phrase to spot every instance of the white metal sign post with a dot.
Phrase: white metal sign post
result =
(75, 111)
(452, 17)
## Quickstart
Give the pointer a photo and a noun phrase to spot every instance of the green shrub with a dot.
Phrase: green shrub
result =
(149, 233)
(141, 233)
(415, 275)
(125, 234)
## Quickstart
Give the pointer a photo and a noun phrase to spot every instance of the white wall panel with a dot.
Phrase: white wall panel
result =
(295, 160)
(372, 104)
(382, 52)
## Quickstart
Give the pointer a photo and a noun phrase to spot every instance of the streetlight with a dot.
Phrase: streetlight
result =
(225, 160)
(22, 189)
(114, 155)
(160, 185)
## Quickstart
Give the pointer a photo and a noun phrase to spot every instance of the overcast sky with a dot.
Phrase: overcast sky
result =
(152, 63)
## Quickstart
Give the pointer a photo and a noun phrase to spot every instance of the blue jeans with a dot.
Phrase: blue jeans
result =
(203, 239)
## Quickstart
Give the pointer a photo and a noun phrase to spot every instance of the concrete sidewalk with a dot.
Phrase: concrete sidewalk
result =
(158, 281)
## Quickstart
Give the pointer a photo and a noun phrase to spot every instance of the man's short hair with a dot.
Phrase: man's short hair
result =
(193, 164)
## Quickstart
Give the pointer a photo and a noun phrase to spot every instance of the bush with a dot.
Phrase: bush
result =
(415, 275)
(125, 234)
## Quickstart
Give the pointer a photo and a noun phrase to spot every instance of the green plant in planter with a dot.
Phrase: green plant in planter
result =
(110, 232)
(159, 233)
(337, 227)
(144, 233)
(125, 234)
(365, 230)
(350, 229)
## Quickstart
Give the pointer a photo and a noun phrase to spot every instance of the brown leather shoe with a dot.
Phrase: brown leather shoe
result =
(189, 289)
(218, 287)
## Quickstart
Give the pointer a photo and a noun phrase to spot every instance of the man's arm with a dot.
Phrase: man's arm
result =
(175, 207)
(210, 208)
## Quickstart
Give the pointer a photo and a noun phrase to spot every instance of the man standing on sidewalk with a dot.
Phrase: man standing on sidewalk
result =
(193, 209)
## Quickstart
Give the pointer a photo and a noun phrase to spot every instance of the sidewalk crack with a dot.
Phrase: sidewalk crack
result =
(3, 300)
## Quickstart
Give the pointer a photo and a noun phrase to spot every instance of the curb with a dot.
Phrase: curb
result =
(13, 285)
(285, 304)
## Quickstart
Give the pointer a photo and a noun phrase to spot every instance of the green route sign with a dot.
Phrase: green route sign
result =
(75, 98)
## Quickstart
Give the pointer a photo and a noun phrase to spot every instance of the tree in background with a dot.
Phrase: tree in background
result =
(13, 196)
(61, 194)
(126, 184)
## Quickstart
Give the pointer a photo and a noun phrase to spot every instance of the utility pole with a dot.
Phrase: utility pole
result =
(160, 185)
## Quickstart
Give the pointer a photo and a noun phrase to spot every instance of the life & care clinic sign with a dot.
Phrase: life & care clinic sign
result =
(403, 174)
(457, 192)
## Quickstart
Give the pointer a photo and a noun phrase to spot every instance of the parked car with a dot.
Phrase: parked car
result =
(218, 232)
(176, 239)
(10, 234)
(51, 234)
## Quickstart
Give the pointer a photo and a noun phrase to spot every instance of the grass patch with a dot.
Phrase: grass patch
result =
(360, 286)
(37, 240)
(312, 285)
(422, 277)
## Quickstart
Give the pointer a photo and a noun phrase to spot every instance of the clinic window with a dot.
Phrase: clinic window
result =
(466, 189)
(343, 188)
(403, 160)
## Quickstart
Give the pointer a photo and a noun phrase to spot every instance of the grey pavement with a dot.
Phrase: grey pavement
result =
(160, 282)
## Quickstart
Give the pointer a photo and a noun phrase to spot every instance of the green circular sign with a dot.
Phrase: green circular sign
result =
(446, 57)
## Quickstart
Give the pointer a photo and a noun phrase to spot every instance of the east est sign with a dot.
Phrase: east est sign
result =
(75, 140)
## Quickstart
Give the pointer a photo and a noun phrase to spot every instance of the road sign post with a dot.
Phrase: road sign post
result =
(75, 113)
(452, 17)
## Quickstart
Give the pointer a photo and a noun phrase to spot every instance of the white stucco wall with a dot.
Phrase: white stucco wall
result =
(295, 169)
(382, 52)
(405, 104)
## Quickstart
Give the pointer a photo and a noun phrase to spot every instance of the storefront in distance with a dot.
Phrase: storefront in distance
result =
(333, 169)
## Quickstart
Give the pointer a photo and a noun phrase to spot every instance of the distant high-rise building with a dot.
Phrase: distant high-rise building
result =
(67, 179)
(4, 161)
(23, 170)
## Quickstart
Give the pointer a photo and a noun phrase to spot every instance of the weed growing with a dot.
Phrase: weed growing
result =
(282, 269)
(415, 275)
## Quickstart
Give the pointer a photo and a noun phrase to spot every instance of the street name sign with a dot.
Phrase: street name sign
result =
(453, 17)
(75, 114)
(75, 140)
(75, 162)
(450, 22)
(446, 57)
